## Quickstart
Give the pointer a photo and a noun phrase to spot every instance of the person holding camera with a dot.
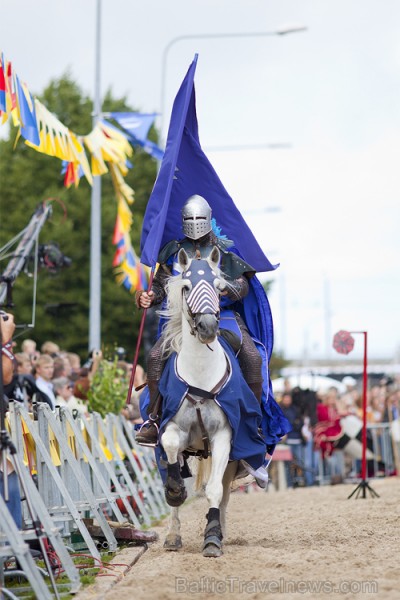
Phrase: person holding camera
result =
(22, 387)
(8, 365)
(7, 356)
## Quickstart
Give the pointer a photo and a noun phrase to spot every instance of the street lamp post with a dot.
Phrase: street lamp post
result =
(95, 214)
(201, 36)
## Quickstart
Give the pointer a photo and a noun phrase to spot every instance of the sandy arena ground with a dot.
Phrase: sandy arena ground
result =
(278, 545)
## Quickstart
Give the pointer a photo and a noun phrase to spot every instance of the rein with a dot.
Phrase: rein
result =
(203, 396)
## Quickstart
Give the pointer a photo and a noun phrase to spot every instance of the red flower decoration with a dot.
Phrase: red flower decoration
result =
(343, 342)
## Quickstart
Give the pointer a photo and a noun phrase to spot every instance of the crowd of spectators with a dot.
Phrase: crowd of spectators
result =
(316, 441)
(51, 374)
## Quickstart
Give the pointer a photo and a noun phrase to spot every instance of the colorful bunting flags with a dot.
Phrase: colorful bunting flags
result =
(42, 131)
(2, 88)
(129, 271)
(109, 150)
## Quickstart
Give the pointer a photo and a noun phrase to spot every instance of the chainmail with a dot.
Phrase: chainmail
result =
(159, 283)
(249, 357)
(155, 361)
(238, 288)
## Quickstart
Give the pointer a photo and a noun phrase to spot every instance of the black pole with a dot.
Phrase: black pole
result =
(22, 252)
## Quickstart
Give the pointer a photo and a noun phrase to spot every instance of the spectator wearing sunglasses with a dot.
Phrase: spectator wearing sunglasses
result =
(63, 389)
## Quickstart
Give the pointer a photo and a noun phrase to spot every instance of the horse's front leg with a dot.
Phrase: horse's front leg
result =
(220, 448)
(175, 490)
(173, 540)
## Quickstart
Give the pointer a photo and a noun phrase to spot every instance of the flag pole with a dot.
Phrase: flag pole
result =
(364, 431)
(363, 486)
(139, 342)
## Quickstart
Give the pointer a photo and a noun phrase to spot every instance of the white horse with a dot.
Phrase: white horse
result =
(200, 425)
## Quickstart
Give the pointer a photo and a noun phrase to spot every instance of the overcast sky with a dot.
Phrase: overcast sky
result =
(325, 204)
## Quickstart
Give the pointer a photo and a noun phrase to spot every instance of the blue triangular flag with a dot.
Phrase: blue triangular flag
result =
(136, 126)
(29, 128)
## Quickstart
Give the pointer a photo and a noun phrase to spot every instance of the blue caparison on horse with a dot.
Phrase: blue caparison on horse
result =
(208, 408)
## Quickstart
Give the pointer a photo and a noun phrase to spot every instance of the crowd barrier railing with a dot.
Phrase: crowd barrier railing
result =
(382, 455)
(77, 468)
(383, 452)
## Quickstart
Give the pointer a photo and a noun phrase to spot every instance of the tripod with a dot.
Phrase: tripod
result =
(361, 490)
(8, 453)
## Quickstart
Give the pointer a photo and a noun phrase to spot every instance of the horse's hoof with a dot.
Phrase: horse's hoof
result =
(177, 497)
(212, 551)
(173, 542)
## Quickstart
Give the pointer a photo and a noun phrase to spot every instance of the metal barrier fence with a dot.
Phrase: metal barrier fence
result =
(382, 456)
(305, 466)
(76, 469)
(385, 449)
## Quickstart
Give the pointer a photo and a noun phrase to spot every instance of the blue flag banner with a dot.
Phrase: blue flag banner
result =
(185, 170)
(29, 128)
(152, 149)
(136, 126)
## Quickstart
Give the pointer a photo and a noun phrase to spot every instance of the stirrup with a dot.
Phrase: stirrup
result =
(149, 421)
(260, 474)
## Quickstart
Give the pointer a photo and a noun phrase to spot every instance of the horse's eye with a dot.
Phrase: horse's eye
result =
(200, 272)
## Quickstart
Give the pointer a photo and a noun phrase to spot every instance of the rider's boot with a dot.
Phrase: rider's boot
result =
(256, 388)
(148, 433)
(261, 474)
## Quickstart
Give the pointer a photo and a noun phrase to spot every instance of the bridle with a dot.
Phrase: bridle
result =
(199, 297)
(192, 318)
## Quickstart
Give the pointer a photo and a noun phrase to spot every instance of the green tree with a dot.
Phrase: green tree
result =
(29, 177)
(108, 391)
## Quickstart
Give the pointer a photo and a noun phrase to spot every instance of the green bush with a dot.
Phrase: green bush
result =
(109, 389)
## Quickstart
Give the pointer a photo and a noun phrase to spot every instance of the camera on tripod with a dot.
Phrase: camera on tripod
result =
(51, 257)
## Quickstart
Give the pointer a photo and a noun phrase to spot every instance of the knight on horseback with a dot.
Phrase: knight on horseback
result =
(198, 241)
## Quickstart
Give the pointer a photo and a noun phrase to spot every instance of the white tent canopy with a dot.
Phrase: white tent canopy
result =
(317, 383)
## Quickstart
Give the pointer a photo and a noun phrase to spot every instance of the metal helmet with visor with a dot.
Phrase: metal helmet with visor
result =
(196, 217)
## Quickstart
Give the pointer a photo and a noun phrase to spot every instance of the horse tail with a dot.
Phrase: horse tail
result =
(202, 471)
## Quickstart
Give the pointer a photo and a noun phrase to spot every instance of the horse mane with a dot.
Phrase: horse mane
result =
(172, 332)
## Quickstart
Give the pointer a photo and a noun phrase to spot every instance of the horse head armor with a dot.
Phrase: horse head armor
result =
(202, 285)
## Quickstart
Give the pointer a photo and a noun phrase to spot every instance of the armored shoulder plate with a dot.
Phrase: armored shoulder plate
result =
(168, 250)
(233, 266)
